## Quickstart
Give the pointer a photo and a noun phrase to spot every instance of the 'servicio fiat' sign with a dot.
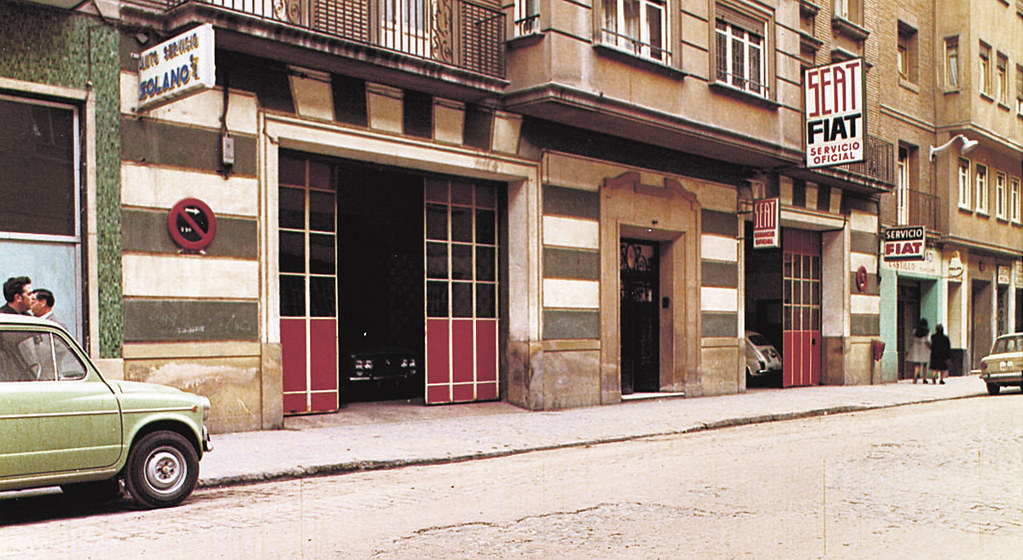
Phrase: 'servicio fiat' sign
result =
(904, 243)
(766, 229)
(835, 124)
(176, 67)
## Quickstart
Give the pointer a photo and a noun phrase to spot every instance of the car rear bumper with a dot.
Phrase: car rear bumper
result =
(1005, 378)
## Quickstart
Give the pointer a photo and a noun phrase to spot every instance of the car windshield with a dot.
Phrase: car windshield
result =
(1008, 344)
(758, 339)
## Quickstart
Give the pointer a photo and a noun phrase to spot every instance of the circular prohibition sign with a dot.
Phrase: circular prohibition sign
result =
(192, 224)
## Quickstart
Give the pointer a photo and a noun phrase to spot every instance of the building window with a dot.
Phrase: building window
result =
(906, 56)
(902, 188)
(405, 26)
(1002, 79)
(1000, 195)
(1014, 200)
(985, 69)
(637, 26)
(952, 63)
(1019, 90)
(740, 51)
(527, 17)
(849, 10)
(964, 183)
(981, 192)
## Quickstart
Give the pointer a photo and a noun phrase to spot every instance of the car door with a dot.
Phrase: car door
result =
(56, 412)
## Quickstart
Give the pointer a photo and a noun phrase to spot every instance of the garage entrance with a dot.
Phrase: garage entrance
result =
(388, 285)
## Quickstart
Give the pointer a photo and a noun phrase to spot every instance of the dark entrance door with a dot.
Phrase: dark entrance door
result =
(639, 317)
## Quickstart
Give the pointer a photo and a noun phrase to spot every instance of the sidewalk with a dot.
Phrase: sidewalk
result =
(367, 436)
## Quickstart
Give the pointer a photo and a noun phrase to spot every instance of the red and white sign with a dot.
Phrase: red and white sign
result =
(192, 224)
(835, 116)
(904, 243)
(766, 227)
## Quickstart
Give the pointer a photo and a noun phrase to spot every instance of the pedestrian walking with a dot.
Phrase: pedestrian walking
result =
(941, 351)
(919, 351)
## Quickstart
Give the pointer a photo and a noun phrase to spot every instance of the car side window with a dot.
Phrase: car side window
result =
(69, 367)
(25, 356)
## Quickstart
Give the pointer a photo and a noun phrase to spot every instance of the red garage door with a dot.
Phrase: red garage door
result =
(801, 272)
(308, 285)
(461, 291)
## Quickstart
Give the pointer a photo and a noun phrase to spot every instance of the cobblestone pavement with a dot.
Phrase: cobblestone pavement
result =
(933, 480)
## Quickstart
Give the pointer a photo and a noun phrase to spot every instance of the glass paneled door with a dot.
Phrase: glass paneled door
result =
(461, 291)
(307, 251)
(801, 275)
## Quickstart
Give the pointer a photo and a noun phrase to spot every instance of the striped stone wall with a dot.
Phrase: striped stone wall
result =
(719, 263)
(865, 306)
(571, 264)
(191, 320)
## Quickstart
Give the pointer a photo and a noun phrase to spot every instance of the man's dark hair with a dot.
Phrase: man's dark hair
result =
(14, 286)
(45, 295)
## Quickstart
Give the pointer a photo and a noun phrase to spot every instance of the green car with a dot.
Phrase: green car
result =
(62, 424)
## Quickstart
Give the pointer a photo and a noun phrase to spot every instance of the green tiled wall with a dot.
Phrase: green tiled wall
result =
(57, 47)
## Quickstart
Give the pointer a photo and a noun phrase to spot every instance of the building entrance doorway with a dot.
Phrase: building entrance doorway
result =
(639, 333)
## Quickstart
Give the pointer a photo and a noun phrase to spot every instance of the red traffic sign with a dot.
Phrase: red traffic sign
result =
(191, 224)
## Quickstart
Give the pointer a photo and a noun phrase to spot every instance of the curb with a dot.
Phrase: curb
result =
(348, 467)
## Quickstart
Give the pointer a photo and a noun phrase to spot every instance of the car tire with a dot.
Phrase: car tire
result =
(98, 491)
(162, 469)
(993, 388)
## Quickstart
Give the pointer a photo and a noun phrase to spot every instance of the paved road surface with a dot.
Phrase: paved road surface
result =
(937, 480)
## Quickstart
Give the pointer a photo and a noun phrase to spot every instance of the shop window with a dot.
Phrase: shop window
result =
(741, 50)
(638, 27)
(952, 63)
(964, 183)
(981, 192)
(907, 55)
(1000, 195)
(38, 162)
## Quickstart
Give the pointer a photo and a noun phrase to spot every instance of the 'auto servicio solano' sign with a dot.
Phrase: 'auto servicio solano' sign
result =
(904, 243)
(176, 67)
(835, 123)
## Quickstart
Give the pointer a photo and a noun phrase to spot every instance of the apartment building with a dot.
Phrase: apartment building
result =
(953, 105)
(545, 202)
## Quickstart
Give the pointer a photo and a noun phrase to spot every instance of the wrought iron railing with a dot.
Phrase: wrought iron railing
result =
(912, 207)
(453, 32)
(878, 161)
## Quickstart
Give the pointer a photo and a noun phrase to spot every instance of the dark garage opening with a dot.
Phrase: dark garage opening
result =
(380, 304)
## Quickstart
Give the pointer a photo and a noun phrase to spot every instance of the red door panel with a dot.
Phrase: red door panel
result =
(293, 355)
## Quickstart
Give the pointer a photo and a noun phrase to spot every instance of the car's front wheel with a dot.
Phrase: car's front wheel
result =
(993, 388)
(162, 469)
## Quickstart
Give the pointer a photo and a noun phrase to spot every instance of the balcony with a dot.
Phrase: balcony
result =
(875, 174)
(910, 207)
(453, 33)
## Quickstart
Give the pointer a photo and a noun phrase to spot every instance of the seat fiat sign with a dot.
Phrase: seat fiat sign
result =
(835, 123)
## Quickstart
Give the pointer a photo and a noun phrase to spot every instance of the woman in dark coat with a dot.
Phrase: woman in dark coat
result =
(941, 351)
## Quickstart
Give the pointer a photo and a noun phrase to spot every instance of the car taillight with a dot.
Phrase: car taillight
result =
(983, 366)
(358, 365)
